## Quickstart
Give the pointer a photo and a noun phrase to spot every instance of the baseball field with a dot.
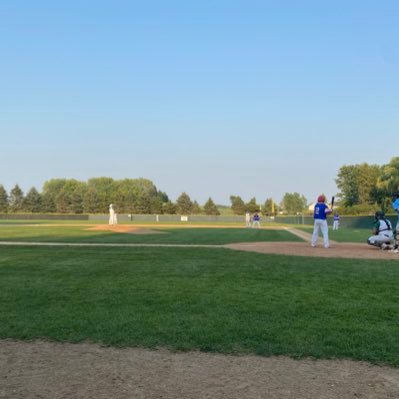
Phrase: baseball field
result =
(161, 308)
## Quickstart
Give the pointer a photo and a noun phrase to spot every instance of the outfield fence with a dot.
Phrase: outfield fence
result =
(345, 221)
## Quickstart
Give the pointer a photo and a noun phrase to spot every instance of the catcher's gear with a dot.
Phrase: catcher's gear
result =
(379, 215)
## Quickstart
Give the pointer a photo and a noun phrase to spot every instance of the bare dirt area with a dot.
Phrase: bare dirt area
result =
(336, 250)
(33, 370)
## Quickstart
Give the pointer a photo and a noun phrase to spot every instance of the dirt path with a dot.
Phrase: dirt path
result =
(38, 370)
(337, 250)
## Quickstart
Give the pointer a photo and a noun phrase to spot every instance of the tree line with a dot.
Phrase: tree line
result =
(364, 188)
(70, 196)
(129, 196)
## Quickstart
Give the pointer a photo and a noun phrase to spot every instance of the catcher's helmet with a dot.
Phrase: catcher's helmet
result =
(321, 198)
(395, 195)
(379, 215)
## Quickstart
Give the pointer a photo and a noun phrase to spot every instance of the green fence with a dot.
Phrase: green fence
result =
(41, 216)
(358, 222)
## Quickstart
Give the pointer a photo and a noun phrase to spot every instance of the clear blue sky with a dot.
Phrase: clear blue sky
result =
(252, 98)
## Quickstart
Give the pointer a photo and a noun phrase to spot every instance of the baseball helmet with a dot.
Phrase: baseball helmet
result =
(379, 214)
(321, 198)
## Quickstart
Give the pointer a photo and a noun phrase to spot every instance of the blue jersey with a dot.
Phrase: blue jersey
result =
(336, 217)
(320, 211)
(395, 206)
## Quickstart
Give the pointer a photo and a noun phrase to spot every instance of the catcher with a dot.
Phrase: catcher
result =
(382, 231)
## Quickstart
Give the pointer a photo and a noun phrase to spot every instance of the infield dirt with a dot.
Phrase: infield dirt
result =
(33, 370)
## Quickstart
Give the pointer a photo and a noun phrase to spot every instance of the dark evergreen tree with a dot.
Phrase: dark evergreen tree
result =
(184, 204)
(3, 200)
(210, 208)
(237, 205)
(16, 199)
(252, 206)
(33, 201)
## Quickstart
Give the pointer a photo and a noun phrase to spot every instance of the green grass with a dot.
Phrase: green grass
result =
(344, 234)
(202, 299)
(186, 235)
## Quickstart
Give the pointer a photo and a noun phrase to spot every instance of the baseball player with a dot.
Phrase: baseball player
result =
(256, 220)
(382, 231)
(321, 211)
(112, 215)
(395, 206)
(336, 221)
(247, 219)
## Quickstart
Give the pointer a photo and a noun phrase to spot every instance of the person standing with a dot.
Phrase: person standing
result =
(336, 221)
(321, 211)
(256, 220)
(395, 206)
(247, 219)
(112, 215)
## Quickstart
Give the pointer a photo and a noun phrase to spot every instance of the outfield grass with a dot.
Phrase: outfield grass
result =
(186, 235)
(202, 299)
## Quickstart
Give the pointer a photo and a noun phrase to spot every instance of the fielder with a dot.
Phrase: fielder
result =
(256, 220)
(382, 231)
(247, 219)
(321, 211)
(336, 221)
(112, 215)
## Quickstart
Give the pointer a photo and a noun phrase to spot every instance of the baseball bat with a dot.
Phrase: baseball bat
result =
(332, 202)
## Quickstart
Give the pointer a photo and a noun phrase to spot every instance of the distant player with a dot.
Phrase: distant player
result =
(336, 221)
(395, 206)
(256, 220)
(321, 211)
(382, 231)
(247, 219)
(112, 215)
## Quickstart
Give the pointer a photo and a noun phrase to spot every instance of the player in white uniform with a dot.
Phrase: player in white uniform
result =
(112, 215)
(382, 231)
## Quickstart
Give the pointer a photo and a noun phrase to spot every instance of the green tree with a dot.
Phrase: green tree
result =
(62, 201)
(358, 184)
(388, 181)
(3, 200)
(252, 206)
(90, 200)
(51, 189)
(237, 205)
(16, 199)
(210, 208)
(347, 182)
(77, 199)
(269, 207)
(33, 201)
(196, 209)
(184, 204)
(294, 203)
(105, 190)
(169, 208)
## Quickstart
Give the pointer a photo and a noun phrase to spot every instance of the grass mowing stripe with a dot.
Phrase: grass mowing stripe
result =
(206, 299)
(171, 236)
